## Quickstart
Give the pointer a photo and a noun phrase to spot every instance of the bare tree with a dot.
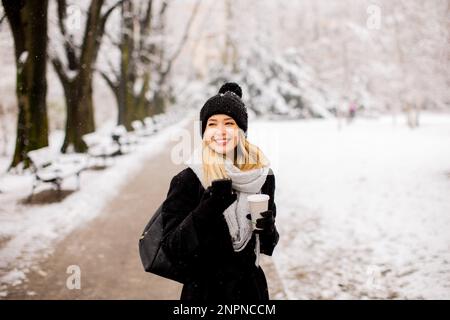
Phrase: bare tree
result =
(134, 64)
(76, 77)
(143, 59)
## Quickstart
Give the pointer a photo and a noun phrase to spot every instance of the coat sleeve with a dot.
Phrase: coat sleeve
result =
(187, 237)
(269, 241)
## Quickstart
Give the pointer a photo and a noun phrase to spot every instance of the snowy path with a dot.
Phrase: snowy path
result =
(106, 250)
(364, 212)
(28, 230)
(95, 228)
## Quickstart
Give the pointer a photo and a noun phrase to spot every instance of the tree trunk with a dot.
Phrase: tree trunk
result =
(159, 103)
(127, 69)
(80, 118)
(80, 114)
(132, 105)
(80, 109)
(28, 22)
(142, 105)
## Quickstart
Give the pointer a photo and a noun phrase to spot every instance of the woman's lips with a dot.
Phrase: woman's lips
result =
(221, 142)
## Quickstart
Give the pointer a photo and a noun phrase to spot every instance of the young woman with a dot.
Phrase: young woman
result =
(207, 228)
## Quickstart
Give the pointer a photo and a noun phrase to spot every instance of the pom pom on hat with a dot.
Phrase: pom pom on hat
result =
(232, 87)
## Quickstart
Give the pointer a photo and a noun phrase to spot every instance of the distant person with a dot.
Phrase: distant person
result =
(351, 112)
(207, 230)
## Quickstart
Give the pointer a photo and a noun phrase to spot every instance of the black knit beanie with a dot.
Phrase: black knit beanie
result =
(227, 101)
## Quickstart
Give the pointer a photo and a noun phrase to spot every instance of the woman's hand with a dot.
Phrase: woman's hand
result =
(215, 200)
(219, 196)
(266, 224)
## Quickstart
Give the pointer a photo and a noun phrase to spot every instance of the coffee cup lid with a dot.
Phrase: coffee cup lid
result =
(258, 197)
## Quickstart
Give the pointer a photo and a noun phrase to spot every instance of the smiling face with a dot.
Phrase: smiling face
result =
(221, 133)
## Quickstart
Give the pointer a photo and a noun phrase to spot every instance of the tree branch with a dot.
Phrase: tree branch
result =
(111, 67)
(146, 22)
(111, 40)
(105, 16)
(163, 8)
(61, 8)
(12, 12)
(183, 40)
(59, 69)
(111, 83)
(69, 46)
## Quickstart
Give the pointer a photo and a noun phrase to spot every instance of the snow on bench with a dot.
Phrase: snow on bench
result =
(142, 130)
(165, 119)
(150, 124)
(101, 146)
(159, 120)
(123, 137)
(51, 167)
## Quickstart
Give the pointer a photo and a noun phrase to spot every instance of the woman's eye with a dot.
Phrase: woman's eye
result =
(229, 123)
(211, 124)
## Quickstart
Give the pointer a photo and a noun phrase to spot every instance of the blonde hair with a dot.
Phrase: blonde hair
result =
(246, 156)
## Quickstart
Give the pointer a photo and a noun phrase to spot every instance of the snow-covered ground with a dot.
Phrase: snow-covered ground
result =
(364, 211)
(28, 232)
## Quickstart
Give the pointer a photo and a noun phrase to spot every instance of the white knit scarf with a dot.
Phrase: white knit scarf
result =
(244, 183)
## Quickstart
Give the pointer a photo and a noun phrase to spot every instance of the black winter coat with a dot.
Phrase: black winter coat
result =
(214, 271)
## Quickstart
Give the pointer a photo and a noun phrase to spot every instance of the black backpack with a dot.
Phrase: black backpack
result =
(153, 257)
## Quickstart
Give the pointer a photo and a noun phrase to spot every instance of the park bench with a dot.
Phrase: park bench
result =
(142, 130)
(150, 124)
(124, 138)
(49, 166)
(163, 120)
(101, 146)
(159, 120)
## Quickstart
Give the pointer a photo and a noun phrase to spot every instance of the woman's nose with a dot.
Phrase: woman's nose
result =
(222, 129)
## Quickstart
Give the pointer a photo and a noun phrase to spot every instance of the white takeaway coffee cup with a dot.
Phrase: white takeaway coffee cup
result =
(257, 203)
